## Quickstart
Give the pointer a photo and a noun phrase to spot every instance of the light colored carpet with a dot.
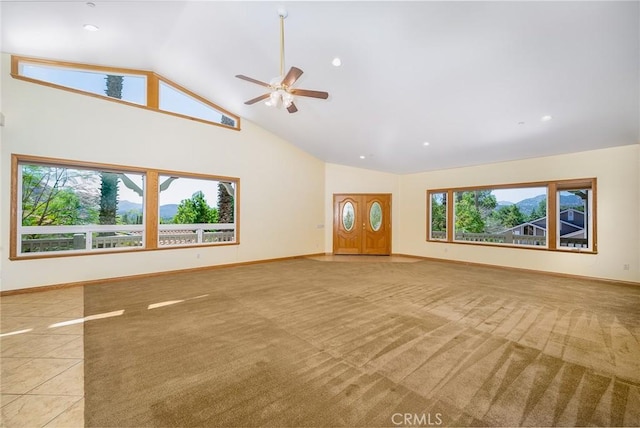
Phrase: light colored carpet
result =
(310, 343)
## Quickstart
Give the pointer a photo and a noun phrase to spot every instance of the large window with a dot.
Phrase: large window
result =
(557, 215)
(575, 228)
(180, 101)
(139, 88)
(69, 207)
(119, 84)
(438, 216)
(196, 210)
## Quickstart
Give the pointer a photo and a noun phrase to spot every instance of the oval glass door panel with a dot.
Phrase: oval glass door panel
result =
(348, 216)
(375, 216)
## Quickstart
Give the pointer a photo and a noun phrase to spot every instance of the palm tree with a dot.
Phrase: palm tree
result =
(109, 180)
(227, 121)
(225, 204)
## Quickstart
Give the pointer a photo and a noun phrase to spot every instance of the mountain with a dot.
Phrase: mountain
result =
(167, 211)
(570, 200)
(126, 206)
(529, 204)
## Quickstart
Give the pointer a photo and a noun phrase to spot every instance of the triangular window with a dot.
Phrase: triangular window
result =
(134, 87)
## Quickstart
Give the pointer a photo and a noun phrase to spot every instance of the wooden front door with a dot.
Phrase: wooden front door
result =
(362, 224)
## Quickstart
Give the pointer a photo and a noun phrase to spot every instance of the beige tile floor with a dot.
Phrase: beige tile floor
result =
(42, 354)
(41, 359)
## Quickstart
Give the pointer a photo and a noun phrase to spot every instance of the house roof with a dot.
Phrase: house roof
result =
(574, 228)
(471, 78)
(526, 223)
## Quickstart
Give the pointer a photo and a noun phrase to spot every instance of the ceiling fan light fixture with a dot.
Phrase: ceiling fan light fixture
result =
(281, 91)
(287, 99)
(274, 99)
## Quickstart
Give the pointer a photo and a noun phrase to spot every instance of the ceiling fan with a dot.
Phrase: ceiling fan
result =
(281, 91)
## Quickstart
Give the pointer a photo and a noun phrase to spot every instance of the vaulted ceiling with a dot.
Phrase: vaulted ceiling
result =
(473, 79)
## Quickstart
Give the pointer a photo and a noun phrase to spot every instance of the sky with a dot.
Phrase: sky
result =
(133, 89)
(517, 195)
(182, 188)
(510, 195)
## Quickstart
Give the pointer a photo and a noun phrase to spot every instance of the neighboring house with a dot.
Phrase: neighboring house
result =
(572, 224)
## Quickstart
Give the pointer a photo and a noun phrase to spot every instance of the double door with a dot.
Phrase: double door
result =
(362, 224)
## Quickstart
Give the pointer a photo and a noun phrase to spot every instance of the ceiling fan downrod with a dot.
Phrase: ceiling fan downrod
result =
(283, 14)
(281, 91)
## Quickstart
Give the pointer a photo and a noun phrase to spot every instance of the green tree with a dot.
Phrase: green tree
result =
(439, 214)
(468, 216)
(108, 197)
(539, 211)
(510, 216)
(227, 121)
(225, 205)
(131, 217)
(114, 86)
(48, 198)
(109, 180)
(195, 210)
(484, 201)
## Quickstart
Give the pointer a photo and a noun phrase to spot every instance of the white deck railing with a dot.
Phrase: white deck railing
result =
(36, 239)
(494, 238)
(509, 238)
(502, 238)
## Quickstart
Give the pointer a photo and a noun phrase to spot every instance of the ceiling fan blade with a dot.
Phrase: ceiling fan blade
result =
(291, 77)
(292, 108)
(309, 93)
(256, 99)
(249, 79)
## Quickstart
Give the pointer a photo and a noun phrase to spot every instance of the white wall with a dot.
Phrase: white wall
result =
(2, 189)
(281, 187)
(618, 208)
(286, 195)
(345, 179)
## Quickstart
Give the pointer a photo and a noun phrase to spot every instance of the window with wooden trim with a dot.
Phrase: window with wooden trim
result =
(575, 225)
(138, 88)
(438, 216)
(62, 207)
(174, 99)
(555, 215)
(195, 210)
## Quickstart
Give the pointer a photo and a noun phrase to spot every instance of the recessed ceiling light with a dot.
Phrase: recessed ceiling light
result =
(426, 143)
(546, 118)
(336, 62)
(90, 27)
(91, 4)
(362, 156)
